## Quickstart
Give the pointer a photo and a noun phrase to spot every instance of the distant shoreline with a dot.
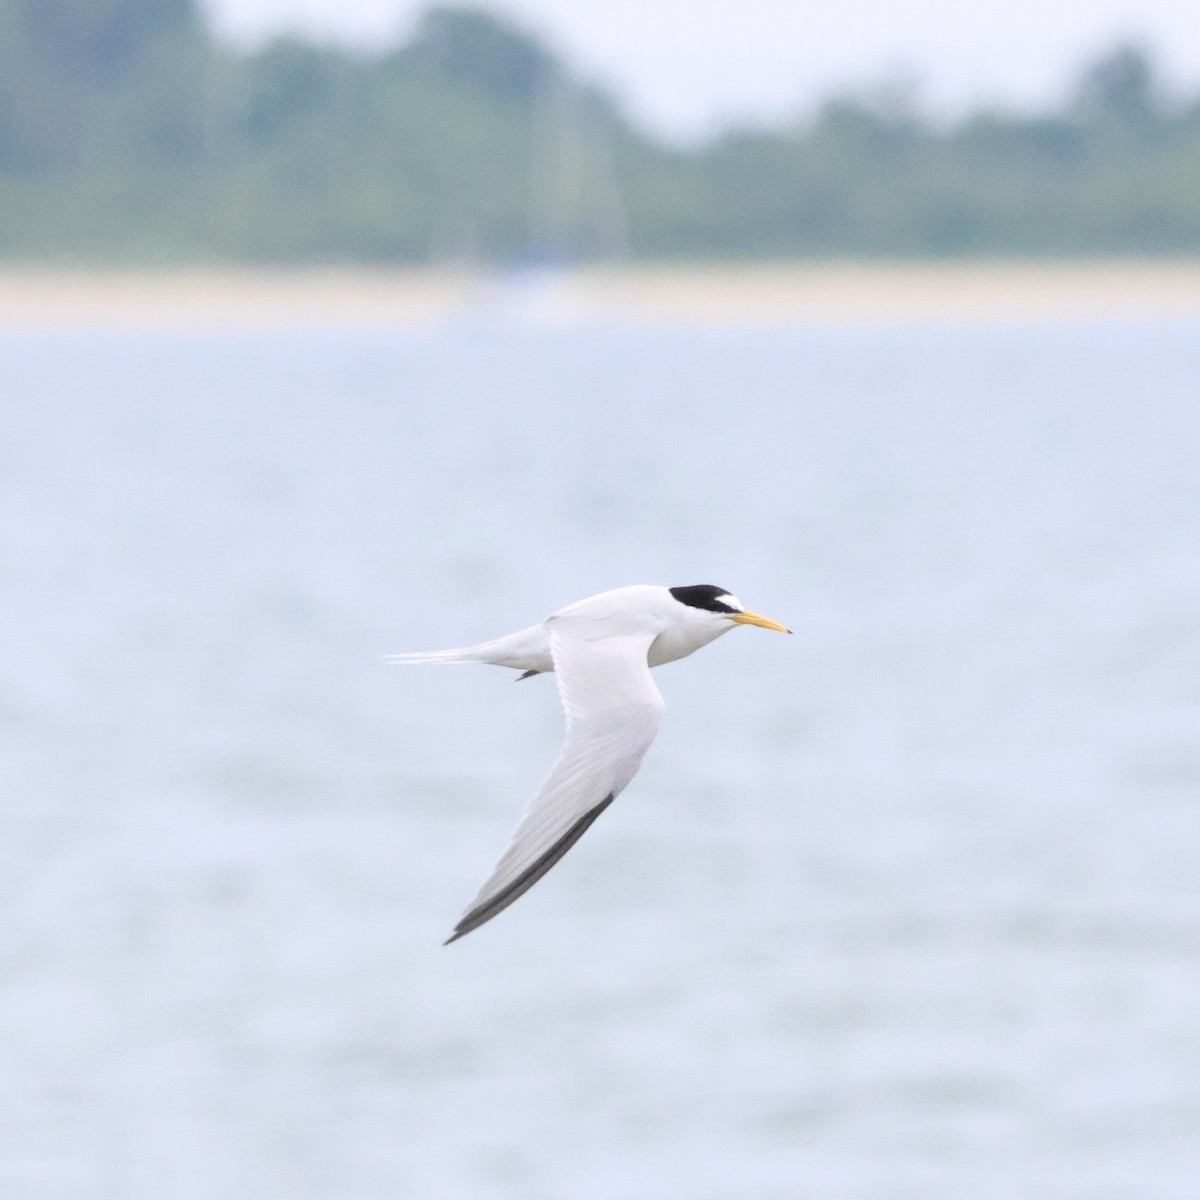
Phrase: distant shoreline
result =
(831, 293)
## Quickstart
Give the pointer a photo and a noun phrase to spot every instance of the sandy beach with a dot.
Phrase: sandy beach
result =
(822, 293)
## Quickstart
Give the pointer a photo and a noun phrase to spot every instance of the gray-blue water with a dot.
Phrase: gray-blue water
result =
(905, 907)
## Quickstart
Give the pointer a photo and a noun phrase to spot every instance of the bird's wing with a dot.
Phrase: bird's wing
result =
(613, 707)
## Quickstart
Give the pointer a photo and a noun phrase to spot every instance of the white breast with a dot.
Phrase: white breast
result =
(682, 640)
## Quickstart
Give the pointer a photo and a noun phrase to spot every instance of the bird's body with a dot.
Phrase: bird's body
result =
(601, 650)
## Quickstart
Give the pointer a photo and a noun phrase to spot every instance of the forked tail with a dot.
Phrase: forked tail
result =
(525, 650)
(467, 654)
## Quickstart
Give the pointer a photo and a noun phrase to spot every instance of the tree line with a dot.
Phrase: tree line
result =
(130, 133)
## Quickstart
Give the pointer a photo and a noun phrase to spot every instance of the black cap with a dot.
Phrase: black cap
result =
(707, 596)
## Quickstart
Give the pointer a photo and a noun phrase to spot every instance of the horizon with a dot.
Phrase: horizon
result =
(690, 74)
(472, 140)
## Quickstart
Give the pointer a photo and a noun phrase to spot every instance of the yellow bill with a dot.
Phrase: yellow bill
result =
(753, 618)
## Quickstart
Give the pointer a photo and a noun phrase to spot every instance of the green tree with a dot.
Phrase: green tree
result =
(88, 78)
(469, 47)
(127, 131)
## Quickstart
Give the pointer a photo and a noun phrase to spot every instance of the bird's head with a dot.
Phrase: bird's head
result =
(716, 604)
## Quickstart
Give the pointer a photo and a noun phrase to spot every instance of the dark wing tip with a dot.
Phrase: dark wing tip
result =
(502, 899)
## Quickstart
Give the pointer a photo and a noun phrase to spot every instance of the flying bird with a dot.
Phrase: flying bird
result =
(601, 650)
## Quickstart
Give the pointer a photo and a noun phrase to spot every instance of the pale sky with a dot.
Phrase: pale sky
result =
(685, 67)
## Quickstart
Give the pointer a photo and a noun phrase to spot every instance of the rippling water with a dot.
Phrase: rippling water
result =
(907, 905)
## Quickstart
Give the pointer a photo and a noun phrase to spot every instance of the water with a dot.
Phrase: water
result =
(906, 906)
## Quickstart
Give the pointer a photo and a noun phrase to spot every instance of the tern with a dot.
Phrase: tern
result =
(601, 650)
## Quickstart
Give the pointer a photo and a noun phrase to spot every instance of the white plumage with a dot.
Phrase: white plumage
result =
(601, 650)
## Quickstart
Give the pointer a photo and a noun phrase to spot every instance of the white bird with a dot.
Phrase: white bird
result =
(601, 650)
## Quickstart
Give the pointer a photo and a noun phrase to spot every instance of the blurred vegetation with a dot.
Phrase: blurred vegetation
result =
(129, 133)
